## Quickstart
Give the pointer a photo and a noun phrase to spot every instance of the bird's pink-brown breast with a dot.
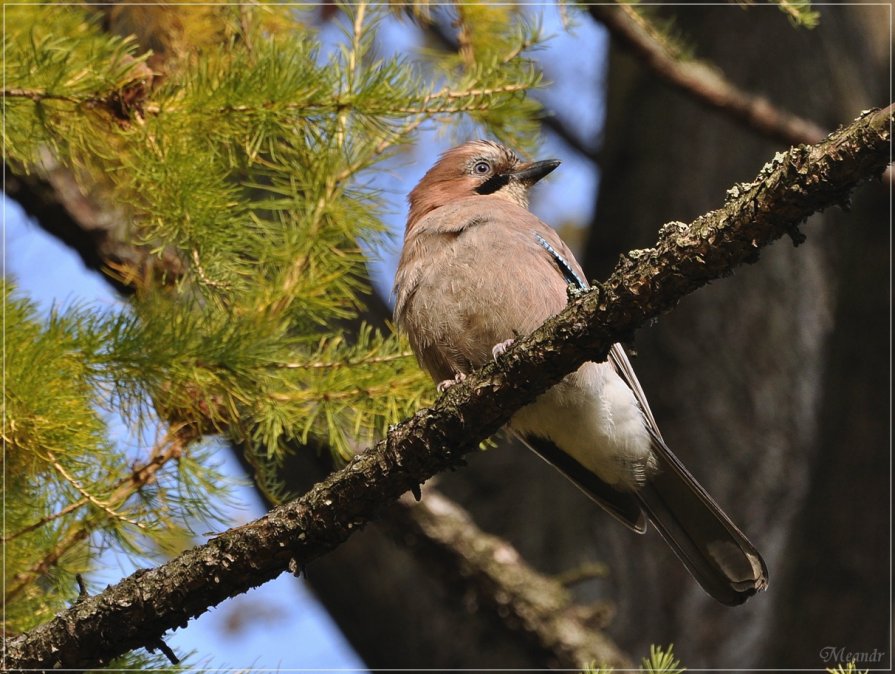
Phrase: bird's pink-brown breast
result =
(457, 294)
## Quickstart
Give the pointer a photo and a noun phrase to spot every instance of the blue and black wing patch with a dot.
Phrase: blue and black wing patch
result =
(562, 263)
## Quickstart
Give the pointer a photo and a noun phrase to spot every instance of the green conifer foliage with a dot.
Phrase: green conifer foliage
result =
(231, 139)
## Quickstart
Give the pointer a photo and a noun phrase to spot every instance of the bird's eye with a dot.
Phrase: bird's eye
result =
(481, 167)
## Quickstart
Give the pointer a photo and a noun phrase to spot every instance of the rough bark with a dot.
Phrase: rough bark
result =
(138, 610)
(420, 620)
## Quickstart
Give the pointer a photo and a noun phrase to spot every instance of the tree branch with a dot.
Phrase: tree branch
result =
(138, 610)
(704, 83)
(489, 571)
(52, 195)
(170, 448)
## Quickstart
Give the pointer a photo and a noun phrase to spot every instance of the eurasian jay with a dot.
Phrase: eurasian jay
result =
(477, 270)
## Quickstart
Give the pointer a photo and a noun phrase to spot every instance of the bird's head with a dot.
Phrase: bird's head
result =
(479, 167)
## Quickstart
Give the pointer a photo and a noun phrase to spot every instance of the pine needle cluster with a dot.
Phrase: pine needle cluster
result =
(660, 661)
(233, 139)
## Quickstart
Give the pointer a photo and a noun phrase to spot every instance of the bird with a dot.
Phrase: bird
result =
(478, 270)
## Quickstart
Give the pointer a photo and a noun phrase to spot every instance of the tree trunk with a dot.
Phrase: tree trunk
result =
(752, 380)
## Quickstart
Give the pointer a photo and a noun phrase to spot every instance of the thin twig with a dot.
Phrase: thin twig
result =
(322, 365)
(82, 587)
(166, 651)
(331, 396)
(200, 270)
(105, 507)
(25, 579)
(361, 10)
(581, 573)
(38, 95)
(517, 50)
(354, 56)
(170, 447)
(71, 507)
(337, 105)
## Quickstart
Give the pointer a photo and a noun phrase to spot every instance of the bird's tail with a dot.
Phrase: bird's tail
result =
(622, 505)
(714, 550)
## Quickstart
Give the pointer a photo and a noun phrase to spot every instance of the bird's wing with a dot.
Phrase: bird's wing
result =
(623, 506)
(547, 238)
(714, 550)
(622, 366)
(568, 265)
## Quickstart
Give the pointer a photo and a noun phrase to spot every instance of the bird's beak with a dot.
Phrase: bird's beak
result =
(529, 174)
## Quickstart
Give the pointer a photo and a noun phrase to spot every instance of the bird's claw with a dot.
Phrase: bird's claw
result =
(447, 383)
(501, 348)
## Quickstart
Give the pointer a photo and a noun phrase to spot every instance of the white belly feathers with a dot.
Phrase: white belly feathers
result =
(593, 416)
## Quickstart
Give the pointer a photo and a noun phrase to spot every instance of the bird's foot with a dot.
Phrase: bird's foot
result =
(501, 348)
(447, 383)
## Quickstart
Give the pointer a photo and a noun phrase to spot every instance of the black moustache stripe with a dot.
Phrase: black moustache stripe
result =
(493, 184)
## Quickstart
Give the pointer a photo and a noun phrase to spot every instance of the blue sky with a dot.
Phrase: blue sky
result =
(281, 625)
